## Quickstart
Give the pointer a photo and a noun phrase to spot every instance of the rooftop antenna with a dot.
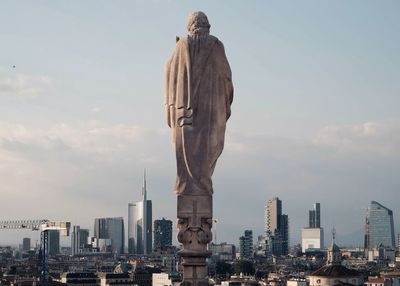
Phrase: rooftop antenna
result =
(144, 189)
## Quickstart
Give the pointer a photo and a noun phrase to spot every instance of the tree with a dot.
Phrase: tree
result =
(244, 266)
(223, 269)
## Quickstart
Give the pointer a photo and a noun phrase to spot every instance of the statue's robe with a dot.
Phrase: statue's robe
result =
(199, 93)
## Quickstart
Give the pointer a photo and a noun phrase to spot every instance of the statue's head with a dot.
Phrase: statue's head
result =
(198, 24)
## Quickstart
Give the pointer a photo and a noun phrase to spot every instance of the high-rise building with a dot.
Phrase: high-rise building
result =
(162, 233)
(113, 229)
(222, 251)
(398, 242)
(140, 228)
(379, 227)
(79, 239)
(312, 237)
(314, 220)
(54, 242)
(276, 228)
(246, 245)
(26, 244)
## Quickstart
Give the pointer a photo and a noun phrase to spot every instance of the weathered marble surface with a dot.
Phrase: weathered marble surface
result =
(199, 93)
(198, 96)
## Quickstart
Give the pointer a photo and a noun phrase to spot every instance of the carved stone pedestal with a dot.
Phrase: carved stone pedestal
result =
(194, 225)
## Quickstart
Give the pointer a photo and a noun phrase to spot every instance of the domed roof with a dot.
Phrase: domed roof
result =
(335, 271)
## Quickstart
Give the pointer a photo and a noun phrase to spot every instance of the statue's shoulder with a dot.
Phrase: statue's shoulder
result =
(213, 38)
(181, 40)
(216, 41)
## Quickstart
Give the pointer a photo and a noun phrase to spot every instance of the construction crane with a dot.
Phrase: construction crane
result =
(44, 226)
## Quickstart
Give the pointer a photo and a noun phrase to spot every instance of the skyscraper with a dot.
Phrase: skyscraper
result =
(314, 220)
(312, 237)
(276, 228)
(26, 244)
(246, 245)
(379, 226)
(78, 239)
(162, 233)
(111, 228)
(54, 242)
(140, 227)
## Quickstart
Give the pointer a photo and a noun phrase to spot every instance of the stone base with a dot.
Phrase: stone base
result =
(194, 224)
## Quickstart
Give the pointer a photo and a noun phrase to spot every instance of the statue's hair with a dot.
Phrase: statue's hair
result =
(198, 24)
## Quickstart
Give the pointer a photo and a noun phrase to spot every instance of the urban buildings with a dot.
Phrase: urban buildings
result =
(379, 227)
(223, 251)
(54, 242)
(398, 242)
(26, 244)
(314, 216)
(79, 239)
(334, 273)
(246, 245)
(140, 228)
(113, 229)
(162, 233)
(312, 237)
(276, 228)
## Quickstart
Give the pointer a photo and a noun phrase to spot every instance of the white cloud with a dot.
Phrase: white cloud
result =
(364, 139)
(95, 109)
(24, 85)
(97, 166)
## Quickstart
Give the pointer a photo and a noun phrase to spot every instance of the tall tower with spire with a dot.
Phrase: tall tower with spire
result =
(334, 254)
(140, 224)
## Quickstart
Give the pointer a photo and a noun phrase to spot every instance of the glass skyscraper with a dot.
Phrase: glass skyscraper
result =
(111, 228)
(314, 220)
(140, 228)
(379, 226)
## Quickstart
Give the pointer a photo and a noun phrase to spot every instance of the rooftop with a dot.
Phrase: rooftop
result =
(335, 271)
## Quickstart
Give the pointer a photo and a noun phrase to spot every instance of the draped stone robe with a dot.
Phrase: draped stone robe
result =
(199, 93)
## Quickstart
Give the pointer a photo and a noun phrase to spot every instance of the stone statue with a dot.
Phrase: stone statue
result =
(199, 93)
(198, 96)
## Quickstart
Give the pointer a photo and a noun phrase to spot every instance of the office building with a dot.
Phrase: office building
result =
(379, 227)
(54, 242)
(222, 251)
(140, 228)
(162, 233)
(246, 245)
(314, 219)
(113, 229)
(398, 242)
(26, 244)
(312, 237)
(79, 239)
(276, 228)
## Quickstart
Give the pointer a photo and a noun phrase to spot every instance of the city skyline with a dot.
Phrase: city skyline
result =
(315, 112)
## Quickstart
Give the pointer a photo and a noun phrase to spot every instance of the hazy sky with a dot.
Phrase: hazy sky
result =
(315, 117)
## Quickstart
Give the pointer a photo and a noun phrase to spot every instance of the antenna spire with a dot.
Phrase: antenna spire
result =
(144, 187)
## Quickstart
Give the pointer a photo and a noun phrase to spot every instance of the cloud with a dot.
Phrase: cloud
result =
(97, 167)
(95, 109)
(24, 85)
(364, 139)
